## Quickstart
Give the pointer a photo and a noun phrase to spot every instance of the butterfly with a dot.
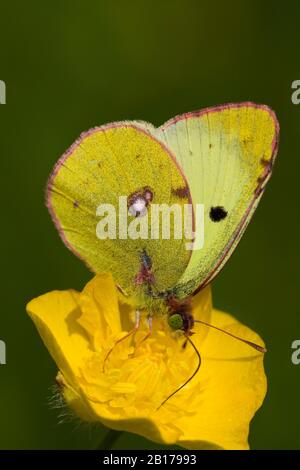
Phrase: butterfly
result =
(220, 158)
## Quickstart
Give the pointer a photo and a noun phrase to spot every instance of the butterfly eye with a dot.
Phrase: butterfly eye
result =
(217, 213)
(175, 321)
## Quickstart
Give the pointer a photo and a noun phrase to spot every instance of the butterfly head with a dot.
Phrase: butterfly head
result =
(180, 316)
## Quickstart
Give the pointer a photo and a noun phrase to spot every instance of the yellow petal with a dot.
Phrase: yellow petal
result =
(100, 309)
(202, 308)
(161, 432)
(74, 399)
(231, 388)
(55, 315)
(202, 302)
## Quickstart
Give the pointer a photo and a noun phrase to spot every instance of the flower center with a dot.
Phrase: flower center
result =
(141, 374)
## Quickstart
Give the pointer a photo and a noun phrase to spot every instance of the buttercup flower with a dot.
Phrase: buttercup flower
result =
(212, 411)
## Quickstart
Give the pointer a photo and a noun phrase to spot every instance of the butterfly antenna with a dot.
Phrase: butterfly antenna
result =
(190, 378)
(253, 345)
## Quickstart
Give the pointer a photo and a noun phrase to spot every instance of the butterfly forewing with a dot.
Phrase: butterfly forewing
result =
(104, 164)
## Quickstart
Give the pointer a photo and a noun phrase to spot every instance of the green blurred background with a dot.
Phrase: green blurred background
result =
(70, 65)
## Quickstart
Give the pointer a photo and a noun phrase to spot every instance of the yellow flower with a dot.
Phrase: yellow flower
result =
(212, 411)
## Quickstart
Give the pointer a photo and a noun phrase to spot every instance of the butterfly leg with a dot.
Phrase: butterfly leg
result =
(131, 332)
(149, 321)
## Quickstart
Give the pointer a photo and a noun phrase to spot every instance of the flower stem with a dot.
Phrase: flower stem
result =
(109, 439)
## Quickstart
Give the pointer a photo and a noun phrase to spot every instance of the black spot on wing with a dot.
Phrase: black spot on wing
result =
(217, 213)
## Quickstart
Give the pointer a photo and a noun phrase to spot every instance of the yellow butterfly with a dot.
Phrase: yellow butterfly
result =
(218, 158)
